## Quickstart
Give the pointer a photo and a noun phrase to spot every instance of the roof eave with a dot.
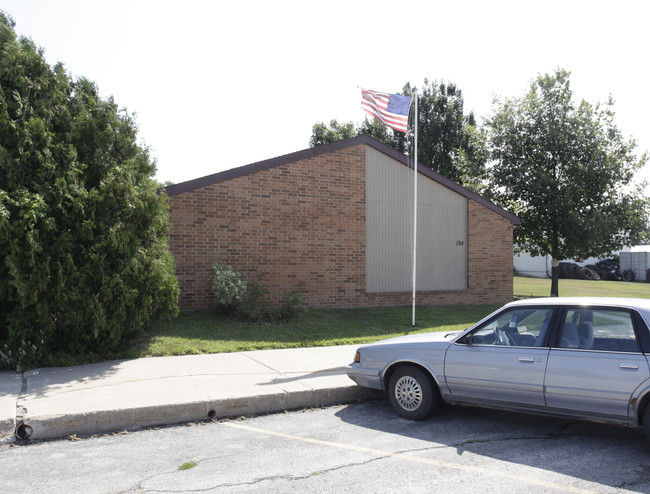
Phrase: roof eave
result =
(241, 171)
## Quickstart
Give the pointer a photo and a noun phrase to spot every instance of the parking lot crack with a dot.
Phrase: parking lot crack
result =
(140, 485)
(271, 478)
(563, 432)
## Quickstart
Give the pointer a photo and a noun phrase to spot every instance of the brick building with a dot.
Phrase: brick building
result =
(339, 219)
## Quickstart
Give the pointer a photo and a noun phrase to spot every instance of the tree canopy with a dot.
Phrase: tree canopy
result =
(449, 142)
(567, 171)
(322, 134)
(85, 259)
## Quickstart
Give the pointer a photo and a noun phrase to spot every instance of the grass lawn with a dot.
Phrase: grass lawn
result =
(536, 287)
(208, 332)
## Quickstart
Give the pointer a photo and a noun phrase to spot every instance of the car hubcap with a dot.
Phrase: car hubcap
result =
(408, 393)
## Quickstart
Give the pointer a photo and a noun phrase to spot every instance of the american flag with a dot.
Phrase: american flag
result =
(391, 109)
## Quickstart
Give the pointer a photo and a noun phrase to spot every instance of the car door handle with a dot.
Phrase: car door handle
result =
(527, 359)
(629, 366)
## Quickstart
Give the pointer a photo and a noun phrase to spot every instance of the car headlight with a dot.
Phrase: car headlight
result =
(357, 357)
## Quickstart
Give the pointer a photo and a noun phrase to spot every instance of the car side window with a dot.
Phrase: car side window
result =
(515, 327)
(599, 329)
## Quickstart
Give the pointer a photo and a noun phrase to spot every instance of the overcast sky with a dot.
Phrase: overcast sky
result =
(220, 84)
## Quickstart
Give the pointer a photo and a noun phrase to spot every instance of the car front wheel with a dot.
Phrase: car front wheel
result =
(411, 393)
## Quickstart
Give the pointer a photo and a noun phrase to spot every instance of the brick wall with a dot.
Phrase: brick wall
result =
(489, 263)
(305, 221)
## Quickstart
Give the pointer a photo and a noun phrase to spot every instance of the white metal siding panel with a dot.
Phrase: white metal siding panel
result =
(442, 230)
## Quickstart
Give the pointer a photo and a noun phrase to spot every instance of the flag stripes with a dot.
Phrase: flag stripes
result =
(390, 109)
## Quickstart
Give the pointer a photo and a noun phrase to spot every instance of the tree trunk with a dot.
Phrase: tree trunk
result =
(555, 265)
(555, 274)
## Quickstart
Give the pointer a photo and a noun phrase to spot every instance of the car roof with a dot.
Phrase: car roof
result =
(641, 304)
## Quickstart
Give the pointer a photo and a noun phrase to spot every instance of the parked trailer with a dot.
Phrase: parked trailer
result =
(634, 266)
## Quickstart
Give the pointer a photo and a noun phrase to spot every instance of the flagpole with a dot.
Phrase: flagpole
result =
(393, 111)
(415, 200)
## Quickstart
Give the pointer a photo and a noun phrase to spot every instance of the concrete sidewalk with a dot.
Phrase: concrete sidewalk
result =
(127, 394)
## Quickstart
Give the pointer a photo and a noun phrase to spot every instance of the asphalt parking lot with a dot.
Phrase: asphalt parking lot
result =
(362, 448)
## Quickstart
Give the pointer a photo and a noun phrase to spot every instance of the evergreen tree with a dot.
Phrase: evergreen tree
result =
(83, 230)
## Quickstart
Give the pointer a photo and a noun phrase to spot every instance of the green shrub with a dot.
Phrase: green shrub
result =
(245, 298)
(228, 286)
(83, 230)
(255, 305)
(292, 304)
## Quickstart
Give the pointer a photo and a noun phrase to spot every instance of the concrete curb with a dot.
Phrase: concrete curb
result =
(107, 421)
(132, 394)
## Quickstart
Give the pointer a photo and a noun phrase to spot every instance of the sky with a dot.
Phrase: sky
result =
(220, 84)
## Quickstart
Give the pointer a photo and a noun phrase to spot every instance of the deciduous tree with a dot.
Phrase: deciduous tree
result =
(322, 134)
(567, 171)
(449, 142)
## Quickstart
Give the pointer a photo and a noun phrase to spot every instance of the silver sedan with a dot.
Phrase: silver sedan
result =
(566, 357)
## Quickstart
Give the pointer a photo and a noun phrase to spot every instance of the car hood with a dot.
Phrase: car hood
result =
(407, 340)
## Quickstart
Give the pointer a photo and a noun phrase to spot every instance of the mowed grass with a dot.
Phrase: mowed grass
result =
(209, 332)
(536, 287)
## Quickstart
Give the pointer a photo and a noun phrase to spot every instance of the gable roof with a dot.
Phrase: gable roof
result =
(241, 171)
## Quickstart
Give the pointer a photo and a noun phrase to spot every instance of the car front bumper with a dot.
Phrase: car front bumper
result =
(368, 378)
